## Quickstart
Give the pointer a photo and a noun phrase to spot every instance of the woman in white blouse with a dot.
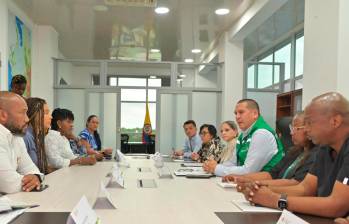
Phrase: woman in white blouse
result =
(59, 153)
(229, 133)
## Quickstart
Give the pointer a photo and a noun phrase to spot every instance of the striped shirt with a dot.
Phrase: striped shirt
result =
(86, 135)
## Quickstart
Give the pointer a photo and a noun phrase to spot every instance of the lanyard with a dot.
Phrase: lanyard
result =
(292, 166)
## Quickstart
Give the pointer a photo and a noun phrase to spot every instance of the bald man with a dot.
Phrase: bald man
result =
(325, 189)
(17, 171)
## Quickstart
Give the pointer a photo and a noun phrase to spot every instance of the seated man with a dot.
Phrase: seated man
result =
(18, 84)
(17, 170)
(325, 190)
(257, 149)
(193, 141)
(292, 168)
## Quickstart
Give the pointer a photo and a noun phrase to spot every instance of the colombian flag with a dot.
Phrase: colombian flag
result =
(146, 127)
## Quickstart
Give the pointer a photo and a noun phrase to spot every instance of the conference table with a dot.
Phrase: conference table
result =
(175, 200)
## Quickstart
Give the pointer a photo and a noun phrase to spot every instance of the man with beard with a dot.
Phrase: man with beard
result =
(325, 189)
(17, 171)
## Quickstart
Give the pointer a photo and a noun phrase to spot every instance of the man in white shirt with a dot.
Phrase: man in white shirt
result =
(258, 147)
(17, 171)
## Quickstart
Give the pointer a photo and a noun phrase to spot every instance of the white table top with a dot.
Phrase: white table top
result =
(177, 200)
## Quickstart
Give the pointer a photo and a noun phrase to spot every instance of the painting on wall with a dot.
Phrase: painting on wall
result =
(19, 50)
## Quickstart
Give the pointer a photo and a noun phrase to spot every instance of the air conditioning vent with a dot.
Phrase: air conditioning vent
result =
(136, 3)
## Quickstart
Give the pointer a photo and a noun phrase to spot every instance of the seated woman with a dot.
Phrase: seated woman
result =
(81, 148)
(59, 153)
(90, 137)
(211, 145)
(292, 168)
(229, 133)
(39, 123)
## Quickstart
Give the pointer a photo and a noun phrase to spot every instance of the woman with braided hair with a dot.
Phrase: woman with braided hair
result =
(39, 123)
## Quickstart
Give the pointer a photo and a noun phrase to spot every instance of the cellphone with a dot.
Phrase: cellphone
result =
(42, 188)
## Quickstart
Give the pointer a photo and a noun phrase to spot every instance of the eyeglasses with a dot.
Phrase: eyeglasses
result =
(292, 129)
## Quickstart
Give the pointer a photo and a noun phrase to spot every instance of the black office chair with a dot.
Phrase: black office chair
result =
(150, 147)
(284, 132)
(125, 147)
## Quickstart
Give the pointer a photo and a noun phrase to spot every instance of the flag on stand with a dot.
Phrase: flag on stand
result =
(147, 129)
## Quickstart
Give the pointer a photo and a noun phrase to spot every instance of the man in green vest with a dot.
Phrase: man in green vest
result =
(258, 147)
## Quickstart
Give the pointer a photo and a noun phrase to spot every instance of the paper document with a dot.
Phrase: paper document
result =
(8, 217)
(192, 164)
(290, 218)
(245, 206)
(4, 206)
(6, 202)
(178, 160)
(190, 170)
(226, 184)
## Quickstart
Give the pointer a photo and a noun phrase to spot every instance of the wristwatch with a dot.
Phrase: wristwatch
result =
(282, 203)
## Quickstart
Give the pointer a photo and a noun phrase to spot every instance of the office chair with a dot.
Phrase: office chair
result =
(125, 147)
(284, 132)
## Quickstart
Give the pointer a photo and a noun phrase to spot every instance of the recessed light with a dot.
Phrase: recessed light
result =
(182, 76)
(100, 8)
(162, 10)
(152, 77)
(154, 50)
(222, 11)
(188, 60)
(196, 51)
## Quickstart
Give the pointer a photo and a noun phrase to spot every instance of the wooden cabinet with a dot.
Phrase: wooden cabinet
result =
(288, 104)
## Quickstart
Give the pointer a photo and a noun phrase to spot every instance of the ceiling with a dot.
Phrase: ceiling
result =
(128, 32)
(289, 16)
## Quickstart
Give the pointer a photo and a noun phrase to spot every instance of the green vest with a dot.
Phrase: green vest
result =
(243, 145)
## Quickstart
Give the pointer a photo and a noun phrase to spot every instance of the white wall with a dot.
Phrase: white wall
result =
(44, 46)
(320, 48)
(109, 123)
(267, 104)
(325, 53)
(343, 48)
(204, 108)
(206, 78)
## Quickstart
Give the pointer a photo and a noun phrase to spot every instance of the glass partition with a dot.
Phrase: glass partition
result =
(75, 73)
(200, 76)
(85, 103)
(74, 100)
(139, 74)
(174, 111)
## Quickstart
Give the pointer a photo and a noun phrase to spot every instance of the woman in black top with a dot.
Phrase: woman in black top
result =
(293, 167)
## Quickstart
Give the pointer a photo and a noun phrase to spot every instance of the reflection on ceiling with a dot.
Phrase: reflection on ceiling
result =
(285, 19)
(132, 30)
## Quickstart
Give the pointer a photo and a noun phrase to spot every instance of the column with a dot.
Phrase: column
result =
(326, 33)
(232, 75)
